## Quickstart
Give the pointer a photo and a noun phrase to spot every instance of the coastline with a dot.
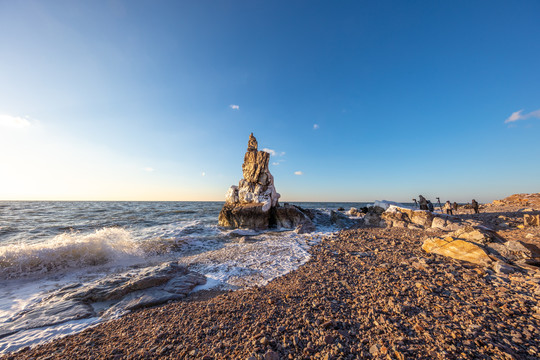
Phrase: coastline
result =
(368, 292)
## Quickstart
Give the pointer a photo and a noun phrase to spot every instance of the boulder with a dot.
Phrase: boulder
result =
(531, 220)
(354, 212)
(473, 234)
(373, 218)
(305, 228)
(422, 217)
(503, 268)
(445, 224)
(340, 220)
(253, 204)
(395, 216)
(249, 216)
(514, 250)
(457, 249)
(289, 217)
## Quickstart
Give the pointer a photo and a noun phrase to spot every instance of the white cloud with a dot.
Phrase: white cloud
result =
(14, 122)
(149, 169)
(270, 151)
(298, 173)
(315, 126)
(234, 107)
(282, 153)
(275, 163)
(518, 115)
(203, 174)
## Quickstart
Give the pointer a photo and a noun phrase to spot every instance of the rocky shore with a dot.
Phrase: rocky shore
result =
(369, 292)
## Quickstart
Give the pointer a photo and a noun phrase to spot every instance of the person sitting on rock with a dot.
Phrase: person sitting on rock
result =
(448, 207)
(430, 206)
(475, 206)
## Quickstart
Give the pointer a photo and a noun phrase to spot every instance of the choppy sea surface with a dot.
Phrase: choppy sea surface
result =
(46, 246)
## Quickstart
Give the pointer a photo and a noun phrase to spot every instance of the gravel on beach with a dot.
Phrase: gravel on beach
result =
(365, 293)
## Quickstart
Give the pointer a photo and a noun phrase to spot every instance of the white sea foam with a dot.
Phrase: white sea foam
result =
(42, 335)
(254, 263)
(70, 250)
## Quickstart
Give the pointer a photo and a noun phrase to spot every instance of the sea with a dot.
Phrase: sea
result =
(49, 246)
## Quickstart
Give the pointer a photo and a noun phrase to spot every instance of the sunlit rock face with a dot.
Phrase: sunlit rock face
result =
(254, 202)
(257, 186)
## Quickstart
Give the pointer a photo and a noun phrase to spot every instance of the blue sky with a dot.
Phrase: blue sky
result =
(146, 100)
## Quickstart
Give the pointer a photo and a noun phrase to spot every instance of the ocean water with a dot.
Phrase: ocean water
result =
(46, 246)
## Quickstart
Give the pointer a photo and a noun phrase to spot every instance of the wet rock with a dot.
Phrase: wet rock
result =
(305, 228)
(140, 299)
(184, 284)
(47, 313)
(249, 216)
(340, 220)
(354, 212)
(290, 216)
(127, 291)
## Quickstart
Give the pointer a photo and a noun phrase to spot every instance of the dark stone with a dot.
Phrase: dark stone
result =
(248, 216)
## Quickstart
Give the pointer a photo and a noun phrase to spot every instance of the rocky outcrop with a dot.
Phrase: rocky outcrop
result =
(483, 246)
(403, 217)
(257, 186)
(253, 204)
(125, 292)
(519, 200)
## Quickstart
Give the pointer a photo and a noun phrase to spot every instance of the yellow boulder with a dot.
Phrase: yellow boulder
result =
(457, 249)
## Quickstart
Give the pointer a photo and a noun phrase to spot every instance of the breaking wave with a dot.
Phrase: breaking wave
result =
(69, 251)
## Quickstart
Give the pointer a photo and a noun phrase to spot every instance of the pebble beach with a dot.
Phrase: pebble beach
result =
(365, 293)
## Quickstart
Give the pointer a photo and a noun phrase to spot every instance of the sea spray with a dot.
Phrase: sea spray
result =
(69, 250)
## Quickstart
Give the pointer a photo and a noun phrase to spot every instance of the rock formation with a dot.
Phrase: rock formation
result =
(123, 292)
(457, 249)
(254, 203)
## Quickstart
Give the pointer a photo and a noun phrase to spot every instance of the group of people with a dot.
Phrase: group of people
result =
(425, 204)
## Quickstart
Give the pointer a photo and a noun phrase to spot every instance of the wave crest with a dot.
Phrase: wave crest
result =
(69, 250)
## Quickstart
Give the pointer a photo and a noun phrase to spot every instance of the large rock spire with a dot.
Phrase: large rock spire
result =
(254, 202)
(257, 186)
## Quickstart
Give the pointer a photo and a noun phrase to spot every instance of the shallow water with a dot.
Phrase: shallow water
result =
(45, 246)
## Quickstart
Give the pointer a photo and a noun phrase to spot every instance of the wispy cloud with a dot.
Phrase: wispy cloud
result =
(14, 122)
(518, 115)
(298, 173)
(234, 107)
(282, 153)
(203, 174)
(315, 126)
(275, 163)
(149, 169)
(270, 151)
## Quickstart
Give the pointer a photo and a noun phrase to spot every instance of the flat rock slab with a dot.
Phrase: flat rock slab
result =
(128, 291)
(457, 249)
(46, 314)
